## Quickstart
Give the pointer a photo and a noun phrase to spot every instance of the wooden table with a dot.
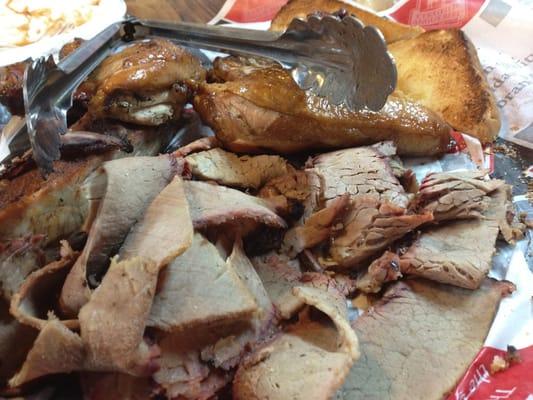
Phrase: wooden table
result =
(175, 10)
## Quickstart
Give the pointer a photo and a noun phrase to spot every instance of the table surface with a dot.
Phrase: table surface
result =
(175, 10)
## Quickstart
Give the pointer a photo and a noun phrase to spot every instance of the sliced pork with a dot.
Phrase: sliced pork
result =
(419, 339)
(229, 169)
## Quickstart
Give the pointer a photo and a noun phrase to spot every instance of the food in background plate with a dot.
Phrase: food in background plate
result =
(23, 22)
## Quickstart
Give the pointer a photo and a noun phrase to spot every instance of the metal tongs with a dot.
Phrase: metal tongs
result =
(334, 57)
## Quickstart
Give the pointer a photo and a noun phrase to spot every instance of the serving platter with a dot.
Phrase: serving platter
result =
(505, 161)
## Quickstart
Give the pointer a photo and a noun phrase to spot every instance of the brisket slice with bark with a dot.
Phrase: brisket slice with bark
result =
(457, 195)
(369, 228)
(360, 171)
(212, 205)
(419, 339)
(232, 170)
(459, 252)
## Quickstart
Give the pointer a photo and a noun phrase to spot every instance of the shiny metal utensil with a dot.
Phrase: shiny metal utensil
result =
(334, 57)
(48, 90)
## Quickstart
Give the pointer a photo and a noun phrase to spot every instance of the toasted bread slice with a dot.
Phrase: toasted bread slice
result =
(440, 70)
(392, 31)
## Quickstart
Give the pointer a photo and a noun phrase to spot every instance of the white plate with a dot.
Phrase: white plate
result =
(106, 13)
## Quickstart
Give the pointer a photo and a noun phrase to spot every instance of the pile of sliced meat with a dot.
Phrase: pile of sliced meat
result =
(207, 273)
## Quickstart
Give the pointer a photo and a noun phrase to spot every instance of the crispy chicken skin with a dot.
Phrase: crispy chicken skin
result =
(147, 83)
(263, 109)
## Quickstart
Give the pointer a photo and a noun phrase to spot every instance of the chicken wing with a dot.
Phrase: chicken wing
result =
(147, 83)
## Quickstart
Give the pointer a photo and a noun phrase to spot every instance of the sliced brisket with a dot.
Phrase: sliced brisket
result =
(419, 340)
(229, 169)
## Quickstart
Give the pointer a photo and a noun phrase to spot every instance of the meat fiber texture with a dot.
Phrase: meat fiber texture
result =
(434, 331)
(460, 252)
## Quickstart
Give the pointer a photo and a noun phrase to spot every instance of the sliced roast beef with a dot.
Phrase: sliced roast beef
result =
(310, 351)
(383, 269)
(183, 375)
(18, 258)
(212, 205)
(15, 341)
(112, 323)
(460, 252)
(113, 385)
(456, 195)
(56, 350)
(165, 230)
(227, 351)
(297, 194)
(198, 288)
(280, 275)
(129, 185)
(360, 171)
(54, 207)
(419, 339)
(319, 227)
(32, 304)
(371, 226)
(231, 170)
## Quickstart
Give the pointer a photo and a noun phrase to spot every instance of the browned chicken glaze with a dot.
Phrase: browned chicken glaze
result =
(147, 83)
(261, 108)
